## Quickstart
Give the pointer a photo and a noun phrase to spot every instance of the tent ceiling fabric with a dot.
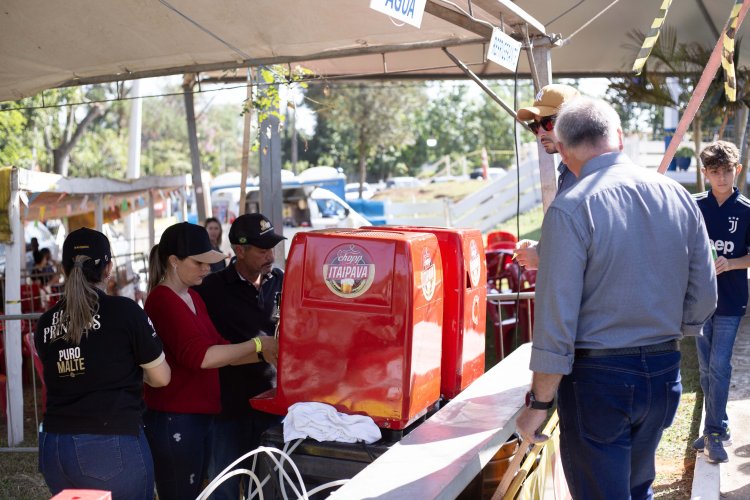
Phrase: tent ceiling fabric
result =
(48, 44)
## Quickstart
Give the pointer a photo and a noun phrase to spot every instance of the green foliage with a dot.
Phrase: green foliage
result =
(13, 148)
(685, 152)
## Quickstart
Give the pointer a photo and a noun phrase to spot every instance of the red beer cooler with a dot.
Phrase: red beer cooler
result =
(464, 306)
(361, 325)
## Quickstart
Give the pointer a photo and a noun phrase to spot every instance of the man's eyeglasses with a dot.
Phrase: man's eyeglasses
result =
(547, 123)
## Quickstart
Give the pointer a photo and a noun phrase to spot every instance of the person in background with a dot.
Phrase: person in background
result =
(213, 227)
(240, 302)
(727, 216)
(611, 353)
(44, 272)
(180, 416)
(543, 114)
(97, 352)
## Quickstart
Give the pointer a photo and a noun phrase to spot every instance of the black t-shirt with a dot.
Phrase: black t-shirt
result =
(240, 312)
(96, 387)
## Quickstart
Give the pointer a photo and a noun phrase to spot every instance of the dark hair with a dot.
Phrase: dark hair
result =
(719, 154)
(39, 256)
(221, 229)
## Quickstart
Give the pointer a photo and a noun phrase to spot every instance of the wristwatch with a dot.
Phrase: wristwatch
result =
(534, 404)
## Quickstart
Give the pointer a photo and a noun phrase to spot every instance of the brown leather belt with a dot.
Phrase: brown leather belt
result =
(669, 346)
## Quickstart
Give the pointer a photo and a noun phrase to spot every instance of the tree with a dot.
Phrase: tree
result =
(686, 62)
(12, 146)
(372, 119)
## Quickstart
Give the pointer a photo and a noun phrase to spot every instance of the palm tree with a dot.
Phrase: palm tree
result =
(685, 61)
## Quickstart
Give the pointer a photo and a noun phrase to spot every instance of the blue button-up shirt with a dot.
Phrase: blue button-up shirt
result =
(624, 261)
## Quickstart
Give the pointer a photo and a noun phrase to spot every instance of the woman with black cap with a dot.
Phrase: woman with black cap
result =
(180, 416)
(97, 351)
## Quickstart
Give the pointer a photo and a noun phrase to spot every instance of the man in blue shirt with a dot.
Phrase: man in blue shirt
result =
(727, 216)
(625, 271)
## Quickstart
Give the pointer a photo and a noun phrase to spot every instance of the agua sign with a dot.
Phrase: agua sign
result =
(408, 11)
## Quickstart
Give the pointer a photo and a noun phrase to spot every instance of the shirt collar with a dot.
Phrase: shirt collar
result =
(735, 194)
(603, 161)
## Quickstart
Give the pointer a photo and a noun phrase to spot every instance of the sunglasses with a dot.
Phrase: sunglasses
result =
(547, 123)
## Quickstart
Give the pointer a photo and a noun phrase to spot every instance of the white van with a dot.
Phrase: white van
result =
(303, 208)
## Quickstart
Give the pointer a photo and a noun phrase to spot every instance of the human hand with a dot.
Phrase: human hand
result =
(526, 254)
(722, 264)
(270, 349)
(528, 423)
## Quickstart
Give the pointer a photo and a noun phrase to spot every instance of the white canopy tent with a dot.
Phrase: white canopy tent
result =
(52, 44)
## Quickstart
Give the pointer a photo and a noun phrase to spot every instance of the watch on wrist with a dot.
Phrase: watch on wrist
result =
(534, 404)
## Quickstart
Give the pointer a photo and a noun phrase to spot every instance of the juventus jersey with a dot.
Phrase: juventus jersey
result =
(729, 231)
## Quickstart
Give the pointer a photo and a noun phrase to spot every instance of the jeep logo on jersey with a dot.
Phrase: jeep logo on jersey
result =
(724, 247)
(348, 271)
(733, 224)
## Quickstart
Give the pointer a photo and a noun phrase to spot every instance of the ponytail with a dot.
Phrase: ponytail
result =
(80, 299)
(156, 268)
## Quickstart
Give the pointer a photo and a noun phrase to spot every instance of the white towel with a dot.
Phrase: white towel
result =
(322, 422)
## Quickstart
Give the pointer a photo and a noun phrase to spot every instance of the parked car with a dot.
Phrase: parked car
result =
(403, 182)
(493, 173)
(352, 191)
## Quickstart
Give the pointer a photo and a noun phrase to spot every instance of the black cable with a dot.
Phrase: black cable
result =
(518, 207)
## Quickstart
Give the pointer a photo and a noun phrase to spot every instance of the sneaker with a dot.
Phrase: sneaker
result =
(714, 449)
(726, 440)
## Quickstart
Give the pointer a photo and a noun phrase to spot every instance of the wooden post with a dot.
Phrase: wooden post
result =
(98, 212)
(271, 193)
(195, 160)
(246, 143)
(543, 63)
(15, 255)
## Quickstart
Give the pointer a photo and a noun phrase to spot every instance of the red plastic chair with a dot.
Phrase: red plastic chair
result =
(501, 239)
(28, 340)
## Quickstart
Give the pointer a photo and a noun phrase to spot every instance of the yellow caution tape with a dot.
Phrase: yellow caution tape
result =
(650, 40)
(727, 53)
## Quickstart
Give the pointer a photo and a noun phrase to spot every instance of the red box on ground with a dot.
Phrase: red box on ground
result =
(464, 304)
(361, 325)
(83, 495)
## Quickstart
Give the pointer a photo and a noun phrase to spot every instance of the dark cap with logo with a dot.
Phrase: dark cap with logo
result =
(88, 242)
(255, 230)
(188, 240)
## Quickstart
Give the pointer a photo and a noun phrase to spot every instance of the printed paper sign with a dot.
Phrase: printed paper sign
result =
(504, 50)
(408, 11)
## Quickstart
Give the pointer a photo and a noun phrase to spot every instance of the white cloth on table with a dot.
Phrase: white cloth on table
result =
(322, 422)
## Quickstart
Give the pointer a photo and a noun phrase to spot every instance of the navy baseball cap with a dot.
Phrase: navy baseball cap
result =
(88, 242)
(188, 240)
(255, 230)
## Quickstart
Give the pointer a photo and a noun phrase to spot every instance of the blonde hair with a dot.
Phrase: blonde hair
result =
(80, 301)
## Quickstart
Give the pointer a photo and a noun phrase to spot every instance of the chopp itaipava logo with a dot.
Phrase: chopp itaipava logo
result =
(475, 265)
(428, 275)
(348, 271)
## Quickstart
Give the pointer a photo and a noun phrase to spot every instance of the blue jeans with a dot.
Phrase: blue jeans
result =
(179, 443)
(118, 463)
(231, 438)
(715, 361)
(613, 411)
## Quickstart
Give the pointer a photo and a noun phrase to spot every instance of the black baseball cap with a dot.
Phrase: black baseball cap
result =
(188, 240)
(88, 242)
(255, 230)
